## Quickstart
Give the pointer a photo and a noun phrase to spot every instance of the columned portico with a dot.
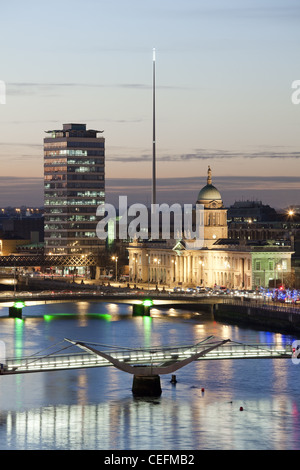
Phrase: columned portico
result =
(178, 266)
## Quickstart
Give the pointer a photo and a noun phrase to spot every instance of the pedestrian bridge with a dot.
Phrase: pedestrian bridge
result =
(155, 360)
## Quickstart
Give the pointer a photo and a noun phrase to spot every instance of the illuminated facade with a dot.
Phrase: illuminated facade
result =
(74, 186)
(220, 262)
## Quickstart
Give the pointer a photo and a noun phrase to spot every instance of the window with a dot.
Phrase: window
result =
(271, 265)
(284, 264)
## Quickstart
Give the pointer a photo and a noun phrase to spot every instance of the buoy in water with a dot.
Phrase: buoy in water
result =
(241, 408)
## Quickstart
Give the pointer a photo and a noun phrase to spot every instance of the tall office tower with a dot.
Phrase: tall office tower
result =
(74, 188)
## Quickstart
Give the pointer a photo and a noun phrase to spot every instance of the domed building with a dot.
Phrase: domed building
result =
(209, 196)
(215, 215)
(216, 261)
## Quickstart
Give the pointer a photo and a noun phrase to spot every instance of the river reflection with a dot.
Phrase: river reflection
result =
(133, 424)
(95, 409)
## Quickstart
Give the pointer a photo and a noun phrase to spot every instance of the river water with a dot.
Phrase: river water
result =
(94, 408)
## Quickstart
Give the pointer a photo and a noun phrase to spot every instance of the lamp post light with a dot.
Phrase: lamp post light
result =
(155, 261)
(115, 258)
(134, 271)
(83, 257)
(280, 268)
(201, 275)
(148, 269)
(174, 270)
(157, 276)
(227, 265)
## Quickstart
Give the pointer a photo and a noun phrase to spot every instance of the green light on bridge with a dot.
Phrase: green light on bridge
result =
(58, 316)
(19, 304)
(147, 303)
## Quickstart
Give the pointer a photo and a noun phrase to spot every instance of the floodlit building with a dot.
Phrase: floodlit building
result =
(9, 245)
(220, 261)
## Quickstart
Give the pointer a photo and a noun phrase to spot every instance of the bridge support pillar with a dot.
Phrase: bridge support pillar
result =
(15, 312)
(146, 386)
(140, 310)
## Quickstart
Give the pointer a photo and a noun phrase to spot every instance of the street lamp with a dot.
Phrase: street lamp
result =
(157, 276)
(280, 268)
(115, 258)
(227, 265)
(174, 270)
(148, 269)
(201, 277)
(134, 270)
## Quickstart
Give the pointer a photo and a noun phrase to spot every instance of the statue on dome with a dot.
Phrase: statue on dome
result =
(209, 175)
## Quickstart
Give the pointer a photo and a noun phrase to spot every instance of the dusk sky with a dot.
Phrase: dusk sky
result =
(224, 74)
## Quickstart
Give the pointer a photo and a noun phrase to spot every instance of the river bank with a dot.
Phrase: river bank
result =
(264, 316)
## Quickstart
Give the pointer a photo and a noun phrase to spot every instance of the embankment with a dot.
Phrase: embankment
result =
(275, 318)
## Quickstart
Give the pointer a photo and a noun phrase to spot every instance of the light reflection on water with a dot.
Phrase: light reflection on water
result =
(95, 409)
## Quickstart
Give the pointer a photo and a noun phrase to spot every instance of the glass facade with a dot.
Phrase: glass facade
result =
(74, 186)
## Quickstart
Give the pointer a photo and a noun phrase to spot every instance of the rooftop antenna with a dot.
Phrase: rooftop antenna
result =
(154, 140)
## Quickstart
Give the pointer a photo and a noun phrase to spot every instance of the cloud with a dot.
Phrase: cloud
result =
(276, 191)
(32, 88)
(279, 192)
(113, 155)
(207, 154)
(21, 144)
(225, 183)
(21, 191)
(11, 151)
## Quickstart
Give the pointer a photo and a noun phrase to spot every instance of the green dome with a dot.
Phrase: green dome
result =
(209, 193)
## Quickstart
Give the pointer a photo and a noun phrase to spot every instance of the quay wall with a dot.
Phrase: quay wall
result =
(263, 316)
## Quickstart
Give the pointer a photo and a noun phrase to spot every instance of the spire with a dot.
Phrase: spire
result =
(154, 138)
(209, 175)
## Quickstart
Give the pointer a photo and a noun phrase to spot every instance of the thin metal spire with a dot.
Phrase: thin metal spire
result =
(154, 139)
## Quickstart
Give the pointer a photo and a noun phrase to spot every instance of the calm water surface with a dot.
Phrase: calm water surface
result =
(95, 409)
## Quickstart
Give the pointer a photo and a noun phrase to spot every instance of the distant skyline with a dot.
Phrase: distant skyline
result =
(17, 191)
(224, 71)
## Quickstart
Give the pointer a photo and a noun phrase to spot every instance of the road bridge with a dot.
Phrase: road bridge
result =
(127, 297)
(142, 302)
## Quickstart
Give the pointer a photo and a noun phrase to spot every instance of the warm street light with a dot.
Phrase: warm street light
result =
(148, 263)
(115, 258)
(157, 276)
(280, 268)
(202, 265)
(227, 265)
(174, 272)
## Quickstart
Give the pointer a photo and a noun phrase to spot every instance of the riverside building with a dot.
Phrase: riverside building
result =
(221, 261)
(74, 186)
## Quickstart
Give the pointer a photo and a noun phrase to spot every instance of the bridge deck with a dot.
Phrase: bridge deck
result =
(138, 357)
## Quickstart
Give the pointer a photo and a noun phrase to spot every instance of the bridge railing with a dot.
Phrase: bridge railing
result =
(53, 362)
(236, 350)
(262, 305)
